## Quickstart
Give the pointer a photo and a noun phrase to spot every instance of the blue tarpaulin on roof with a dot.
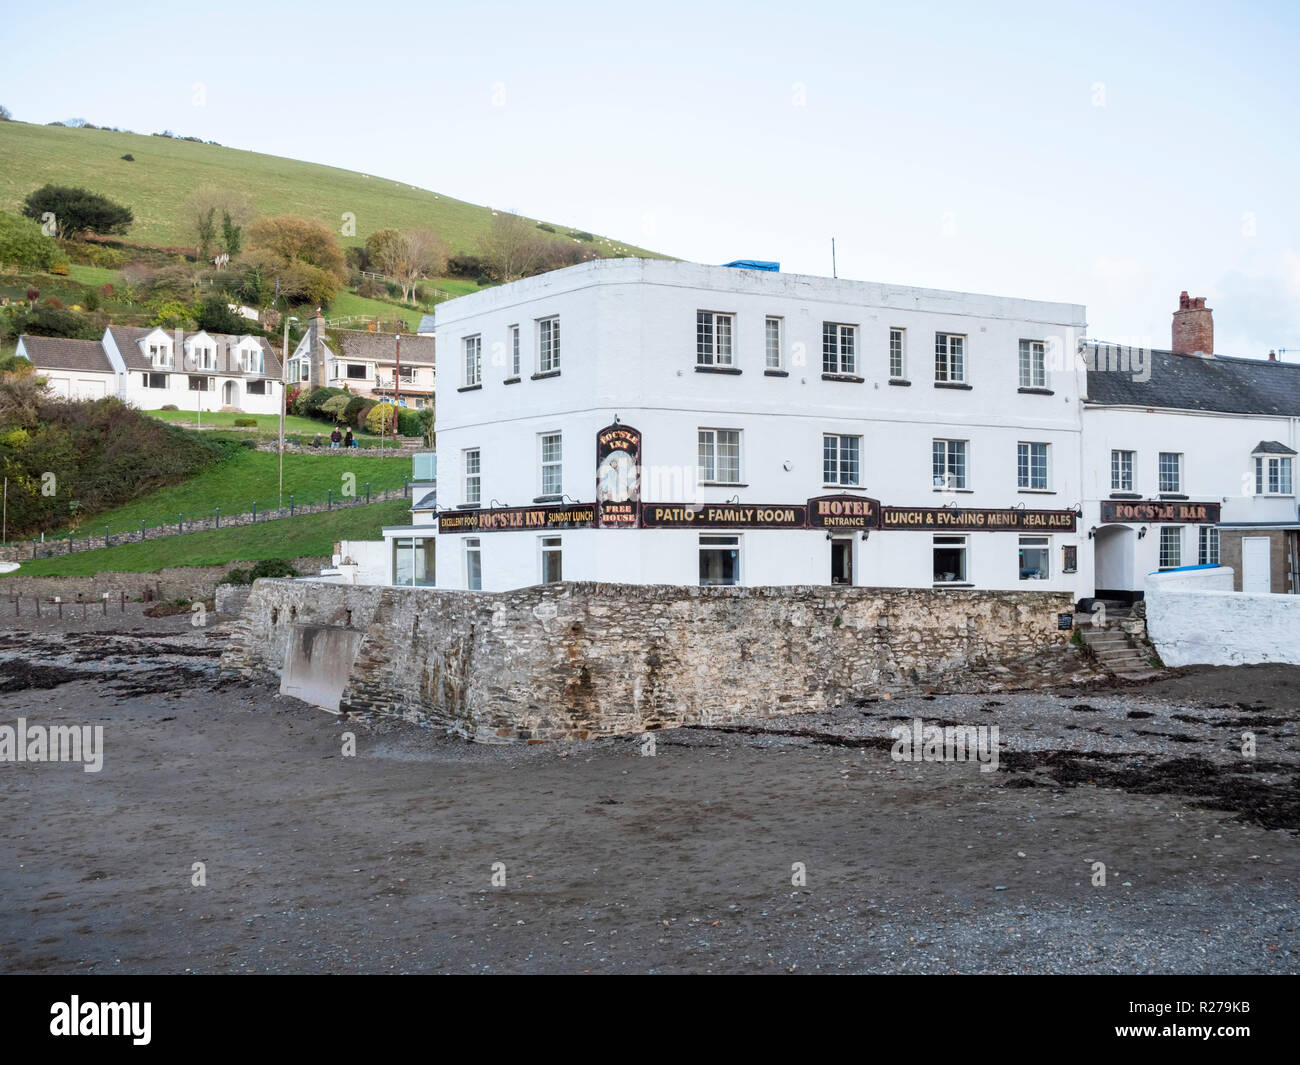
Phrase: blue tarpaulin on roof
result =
(754, 264)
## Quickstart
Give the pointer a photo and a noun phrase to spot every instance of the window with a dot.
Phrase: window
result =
(949, 358)
(1035, 554)
(548, 345)
(552, 562)
(713, 335)
(154, 380)
(1033, 364)
(1272, 475)
(719, 560)
(204, 358)
(1207, 553)
(772, 339)
(514, 351)
(897, 365)
(552, 454)
(252, 360)
(473, 564)
(413, 562)
(840, 464)
(1171, 472)
(950, 464)
(473, 479)
(256, 388)
(949, 559)
(473, 361)
(1031, 466)
(356, 371)
(839, 343)
(160, 355)
(1121, 471)
(1171, 546)
(198, 384)
(406, 373)
(719, 456)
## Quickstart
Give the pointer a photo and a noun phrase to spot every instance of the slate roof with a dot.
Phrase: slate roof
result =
(1221, 384)
(56, 353)
(426, 324)
(128, 343)
(1272, 447)
(382, 347)
(428, 501)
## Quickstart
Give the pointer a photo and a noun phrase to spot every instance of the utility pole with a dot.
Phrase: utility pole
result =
(6, 513)
(284, 398)
(834, 270)
(397, 385)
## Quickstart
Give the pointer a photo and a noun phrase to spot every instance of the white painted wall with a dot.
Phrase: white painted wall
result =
(1222, 628)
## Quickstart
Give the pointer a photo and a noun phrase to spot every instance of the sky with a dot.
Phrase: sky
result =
(1108, 154)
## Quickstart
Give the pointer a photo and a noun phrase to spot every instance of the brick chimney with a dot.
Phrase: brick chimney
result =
(1193, 327)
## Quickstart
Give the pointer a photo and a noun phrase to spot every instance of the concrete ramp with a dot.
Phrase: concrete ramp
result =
(318, 663)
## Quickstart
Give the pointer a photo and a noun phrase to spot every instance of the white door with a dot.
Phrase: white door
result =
(1254, 564)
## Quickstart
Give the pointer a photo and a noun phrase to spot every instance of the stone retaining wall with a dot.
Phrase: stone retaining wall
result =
(175, 582)
(568, 661)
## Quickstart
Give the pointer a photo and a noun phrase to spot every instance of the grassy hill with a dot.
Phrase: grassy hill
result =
(312, 534)
(166, 171)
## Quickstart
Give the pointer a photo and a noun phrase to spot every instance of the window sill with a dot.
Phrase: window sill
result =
(845, 487)
(1274, 495)
(544, 375)
(723, 484)
(961, 386)
(902, 382)
(469, 506)
(1126, 495)
(469, 388)
(852, 378)
(956, 491)
(733, 370)
(953, 584)
(511, 381)
(1025, 390)
(1037, 491)
(1174, 495)
(776, 373)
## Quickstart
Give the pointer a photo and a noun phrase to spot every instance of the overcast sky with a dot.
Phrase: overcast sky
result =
(1110, 154)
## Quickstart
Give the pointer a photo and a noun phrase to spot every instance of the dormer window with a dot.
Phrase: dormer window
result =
(1273, 469)
(160, 355)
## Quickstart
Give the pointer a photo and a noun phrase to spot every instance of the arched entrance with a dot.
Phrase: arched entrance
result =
(1112, 552)
(230, 394)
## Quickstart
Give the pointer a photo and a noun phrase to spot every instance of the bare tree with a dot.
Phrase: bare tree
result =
(408, 257)
(512, 247)
(214, 216)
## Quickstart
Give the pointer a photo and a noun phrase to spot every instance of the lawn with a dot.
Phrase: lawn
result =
(252, 476)
(310, 534)
(346, 303)
(94, 275)
(267, 424)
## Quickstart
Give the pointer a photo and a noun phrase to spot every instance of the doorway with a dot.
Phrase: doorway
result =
(1255, 565)
(1113, 549)
(230, 394)
(842, 560)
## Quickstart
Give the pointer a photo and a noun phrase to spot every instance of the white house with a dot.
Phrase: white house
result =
(659, 422)
(73, 369)
(377, 365)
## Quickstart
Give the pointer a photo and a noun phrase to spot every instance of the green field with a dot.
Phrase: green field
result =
(345, 303)
(248, 477)
(166, 171)
(94, 275)
(311, 534)
(267, 424)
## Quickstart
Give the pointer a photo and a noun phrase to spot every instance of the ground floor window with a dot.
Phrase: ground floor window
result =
(1035, 554)
(719, 560)
(949, 559)
(413, 562)
(256, 388)
(1208, 552)
(155, 380)
(198, 384)
(1171, 546)
(473, 565)
(552, 560)
(1070, 558)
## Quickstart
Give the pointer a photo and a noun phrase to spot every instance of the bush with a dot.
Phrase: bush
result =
(334, 406)
(543, 226)
(235, 576)
(245, 423)
(215, 316)
(317, 399)
(465, 265)
(91, 299)
(55, 322)
(129, 157)
(379, 419)
(355, 406)
(169, 406)
(271, 567)
(77, 211)
(52, 301)
(409, 423)
(22, 244)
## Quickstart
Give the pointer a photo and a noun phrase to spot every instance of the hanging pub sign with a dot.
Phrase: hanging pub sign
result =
(843, 512)
(972, 519)
(723, 516)
(577, 516)
(1164, 510)
(618, 476)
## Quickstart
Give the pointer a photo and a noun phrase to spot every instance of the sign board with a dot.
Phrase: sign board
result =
(972, 519)
(1162, 510)
(618, 477)
(577, 516)
(843, 512)
(723, 516)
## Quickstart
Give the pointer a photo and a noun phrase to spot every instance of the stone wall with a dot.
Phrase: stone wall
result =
(1222, 628)
(175, 582)
(575, 660)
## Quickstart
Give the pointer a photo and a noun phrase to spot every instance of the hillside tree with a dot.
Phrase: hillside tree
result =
(408, 257)
(77, 211)
(512, 247)
(299, 240)
(213, 216)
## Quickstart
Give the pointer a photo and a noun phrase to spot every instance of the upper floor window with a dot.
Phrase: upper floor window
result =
(1033, 364)
(719, 456)
(548, 345)
(473, 360)
(897, 363)
(514, 351)
(772, 340)
(949, 358)
(1121, 471)
(839, 348)
(949, 464)
(471, 463)
(1272, 475)
(1031, 466)
(841, 460)
(160, 355)
(1171, 471)
(552, 464)
(713, 336)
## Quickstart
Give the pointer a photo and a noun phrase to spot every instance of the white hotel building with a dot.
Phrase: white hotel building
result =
(792, 430)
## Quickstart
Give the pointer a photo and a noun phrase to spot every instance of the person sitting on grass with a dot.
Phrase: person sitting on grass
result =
(347, 439)
(315, 442)
(336, 437)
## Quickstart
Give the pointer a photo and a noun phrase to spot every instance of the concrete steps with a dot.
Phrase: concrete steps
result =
(1116, 651)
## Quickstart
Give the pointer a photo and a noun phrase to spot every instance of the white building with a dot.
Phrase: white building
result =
(764, 429)
(153, 367)
(377, 365)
